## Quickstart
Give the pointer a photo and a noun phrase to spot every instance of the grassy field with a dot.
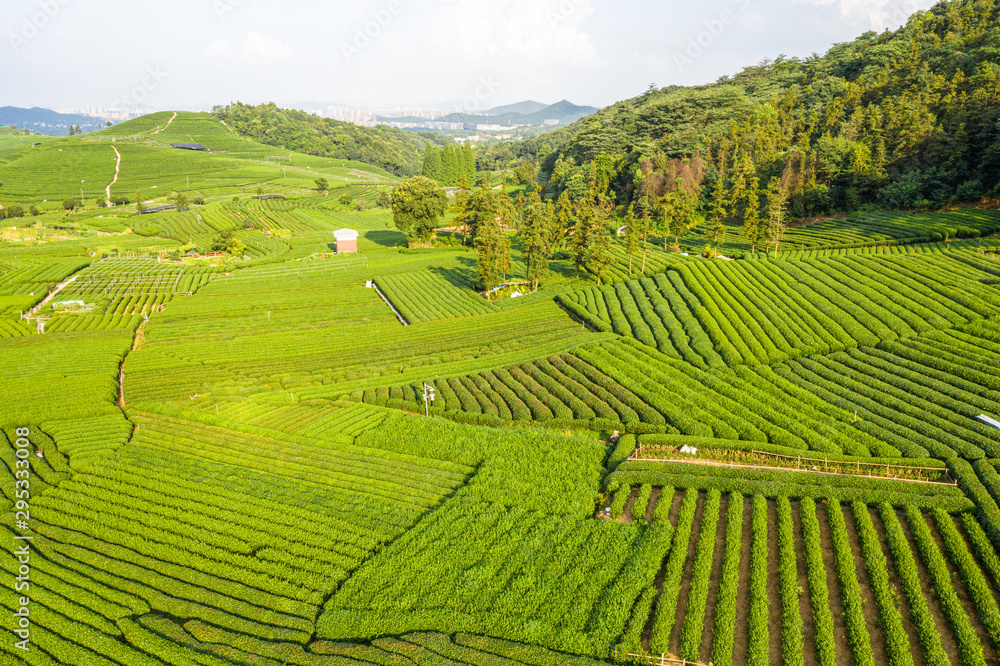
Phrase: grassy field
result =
(230, 462)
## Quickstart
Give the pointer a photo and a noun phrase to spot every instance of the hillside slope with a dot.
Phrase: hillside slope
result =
(394, 150)
(904, 119)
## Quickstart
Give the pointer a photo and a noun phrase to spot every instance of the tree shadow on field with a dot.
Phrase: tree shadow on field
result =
(463, 278)
(386, 238)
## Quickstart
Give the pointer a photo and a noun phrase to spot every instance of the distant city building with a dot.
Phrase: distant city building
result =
(553, 121)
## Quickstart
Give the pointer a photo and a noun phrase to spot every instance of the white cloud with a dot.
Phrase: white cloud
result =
(875, 14)
(522, 33)
(257, 50)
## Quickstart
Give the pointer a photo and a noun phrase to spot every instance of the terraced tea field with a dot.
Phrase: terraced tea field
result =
(760, 461)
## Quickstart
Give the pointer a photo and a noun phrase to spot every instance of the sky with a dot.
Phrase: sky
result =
(462, 55)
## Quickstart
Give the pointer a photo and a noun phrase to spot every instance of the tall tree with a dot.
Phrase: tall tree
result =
(462, 211)
(451, 169)
(717, 215)
(417, 205)
(777, 204)
(493, 213)
(432, 167)
(565, 217)
(751, 213)
(469, 162)
(632, 232)
(679, 206)
(536, 238)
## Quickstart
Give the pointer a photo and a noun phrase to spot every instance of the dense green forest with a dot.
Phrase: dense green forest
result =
(394, 150)
(447, 165)
(904, 119)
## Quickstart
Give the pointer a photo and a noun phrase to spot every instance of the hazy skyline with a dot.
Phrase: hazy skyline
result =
(468, 54)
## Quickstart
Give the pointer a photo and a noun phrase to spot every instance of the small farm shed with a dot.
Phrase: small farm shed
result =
(188, 146)
(347, 240)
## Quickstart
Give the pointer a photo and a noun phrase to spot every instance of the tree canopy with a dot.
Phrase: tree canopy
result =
(417, 205)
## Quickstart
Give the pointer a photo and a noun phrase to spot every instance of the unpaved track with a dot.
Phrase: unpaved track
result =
(118, 166)
(167, 125)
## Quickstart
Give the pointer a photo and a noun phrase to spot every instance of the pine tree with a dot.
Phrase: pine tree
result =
(493, 251)
(469, 162)
(751, 213)
(716, 227)
(462, 210)
(565, 219)
(631, 235)
(777, 202)
(679, 207)
(450, 167)
(535, 239)
(432, 163)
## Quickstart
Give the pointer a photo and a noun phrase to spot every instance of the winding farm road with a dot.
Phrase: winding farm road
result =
(167, 125)
(118, 166)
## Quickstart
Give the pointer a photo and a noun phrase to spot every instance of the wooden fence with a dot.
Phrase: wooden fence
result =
(654, 660)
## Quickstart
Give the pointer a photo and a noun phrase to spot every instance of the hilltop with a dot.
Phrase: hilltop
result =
(525, 113)
(900, 119)
(394, 150)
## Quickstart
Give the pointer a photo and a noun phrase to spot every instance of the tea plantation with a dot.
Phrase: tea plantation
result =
(759, 461)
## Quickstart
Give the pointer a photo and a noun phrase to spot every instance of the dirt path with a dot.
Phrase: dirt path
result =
(904, 608)
(715, 579)
(843, 649)
(682, 597)
(805, 608)
(741, 635)
(653, 501)
(773, 589)
(965, 538)
(989, 650)
(167, 125)
(118, 167)
(873, 619)
(933, 603)
(59, 287)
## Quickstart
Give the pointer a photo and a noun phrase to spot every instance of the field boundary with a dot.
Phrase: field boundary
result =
(637, 456)
(402, 319)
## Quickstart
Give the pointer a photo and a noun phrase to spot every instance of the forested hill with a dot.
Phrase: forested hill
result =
(394, 150)
(904, 119)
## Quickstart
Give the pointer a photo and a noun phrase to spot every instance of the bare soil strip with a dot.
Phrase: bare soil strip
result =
(773, 587)
(682, 598)
(904, 608)
(809, 656)
(676, 508)
(118, 167)
(705, 651)
(843, 650)
(873, 618)
(741, 635)
(993, 584)
(653, 501)
(944, 629)
(989, 650)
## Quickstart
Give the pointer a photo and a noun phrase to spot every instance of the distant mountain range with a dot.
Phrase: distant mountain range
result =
(523, 113)
(46, 121)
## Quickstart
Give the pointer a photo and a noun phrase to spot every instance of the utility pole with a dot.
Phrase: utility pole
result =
(428, 393)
